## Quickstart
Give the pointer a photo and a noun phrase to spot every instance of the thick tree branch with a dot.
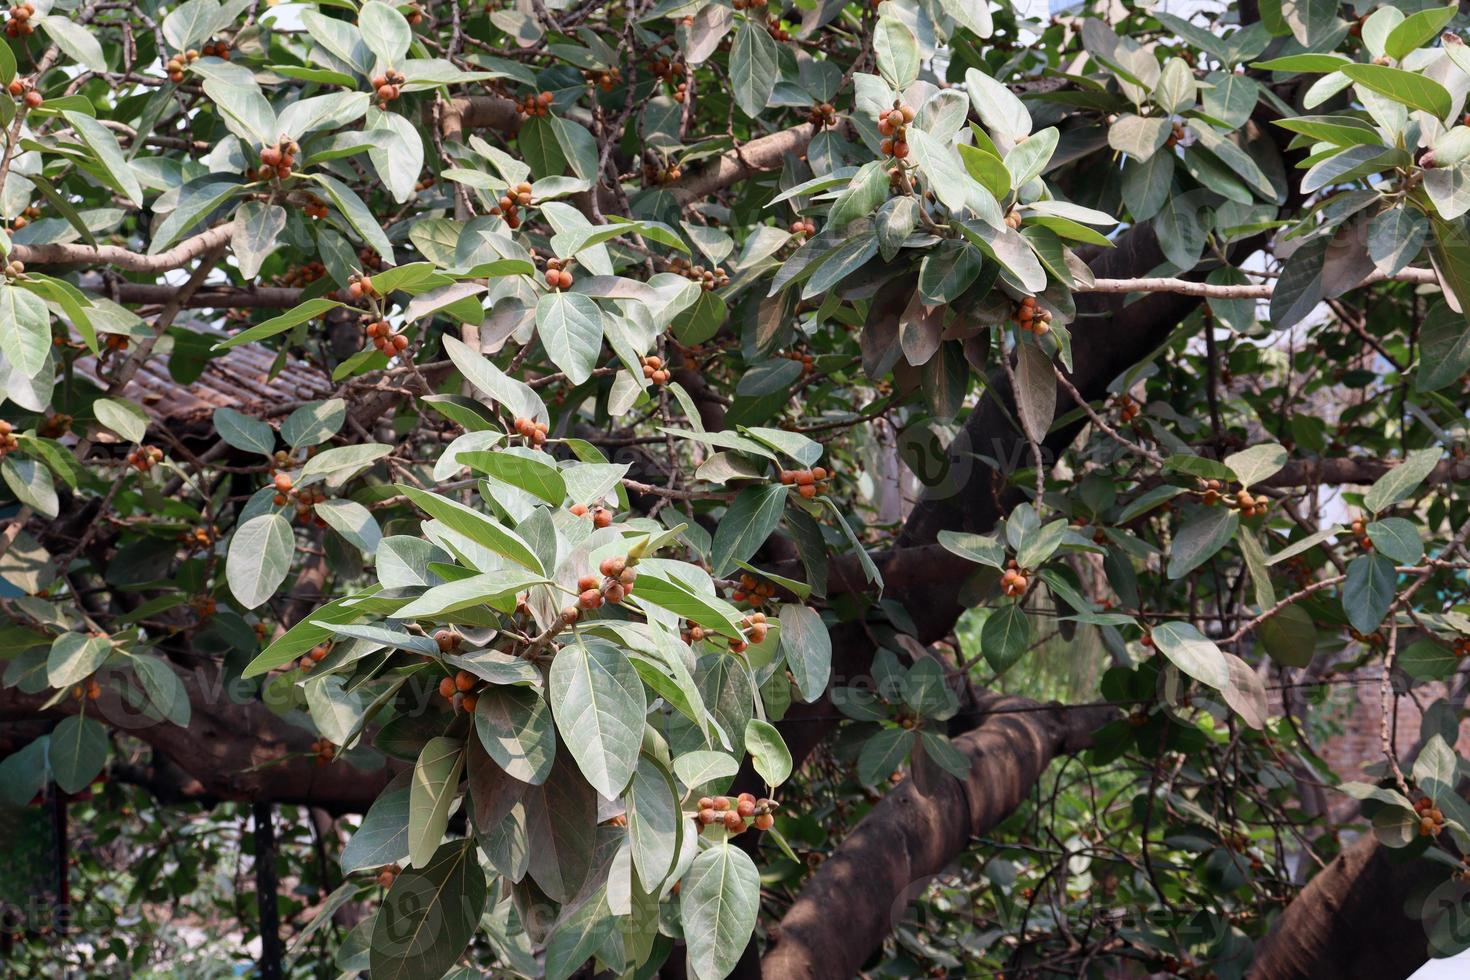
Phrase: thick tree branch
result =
(232, 750)
(1350, 921)
(910, 835)
(177, 257)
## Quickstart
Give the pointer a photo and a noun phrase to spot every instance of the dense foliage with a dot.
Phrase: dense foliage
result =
(702, 435)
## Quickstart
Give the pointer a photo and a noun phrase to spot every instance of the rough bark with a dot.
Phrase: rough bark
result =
(232, 750)
(1350, 921)
(911, 835)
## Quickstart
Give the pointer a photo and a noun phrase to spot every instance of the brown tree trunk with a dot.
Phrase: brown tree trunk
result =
(1350, 921)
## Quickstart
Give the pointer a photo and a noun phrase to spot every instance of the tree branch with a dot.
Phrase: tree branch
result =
(911, 835)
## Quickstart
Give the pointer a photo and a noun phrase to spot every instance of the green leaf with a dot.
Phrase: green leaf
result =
(535, 476)
(1417, 29)
(883, 754)
(1368, 591)
(314, 423)
(385, 31)
(754, 67)
(1290, 637)
(308, 633)
(1193, 653)
(598, 700)
(1396, 538)
(749, 520)
(164, 689)
(1139, 136)
(1005, 636)
(1402, 480)
(998, 107)
(25, 329)
(74, 657)
(654, 822)
(981, 548)
(259, 558)
(32, 485)
(1405, 87)
(515, 726)
(1198, 540)
(1039, 544)
(477, 526)
(718, 901)
(768, 752)
(1426, 660)
(309, 310)
(570, 328)
(1036, 391)
(897, 52)
(75, 41)
(257, 233)
(433, 789)
(561, 825)
(808, 649)
(103, 144)
(429, 915)
(243, 432)
(382, 837)
(78, 751)
(357, 214)
(1256, 463)
(122, 417)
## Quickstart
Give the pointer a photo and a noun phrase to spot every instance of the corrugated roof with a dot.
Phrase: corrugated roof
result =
(239, 379)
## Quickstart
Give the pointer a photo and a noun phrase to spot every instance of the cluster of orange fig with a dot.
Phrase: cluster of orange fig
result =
(752, 590)
(776, 30)
(144, 458)
(822, 115)
(303, 275)
(90, 690)
(734, 814)
(359, 286)
(314, 656)
(557, 277)
(387, 873)
(601, 516)
(605, 79)
(615, 585)
(387, 87)
(1242, 499)
(893, 127)
(324, 751)
(460, 691)
(535, 104)
(803, 227)
(24, 218)
(1360, 531)
(315, 207)
(808, 362)
(1127, 406)
(654, 173)
(19, 24)
(808, 483)
(384, 339)
(8, 441)
(200, 537)
(530, 430)
(1431, 818)
(711, 279)
(22, 89)
(654, 370)
(1014, 581)
(277, 159)
(1029, 316)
